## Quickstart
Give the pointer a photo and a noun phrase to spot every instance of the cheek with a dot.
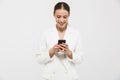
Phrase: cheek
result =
(65, 20)
(57, 20)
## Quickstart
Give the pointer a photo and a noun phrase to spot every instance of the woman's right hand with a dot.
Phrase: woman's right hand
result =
(53, 50)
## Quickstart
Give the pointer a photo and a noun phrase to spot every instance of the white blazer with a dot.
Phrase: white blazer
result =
(59, 67)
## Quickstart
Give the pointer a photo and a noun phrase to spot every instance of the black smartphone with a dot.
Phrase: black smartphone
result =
(61, 41)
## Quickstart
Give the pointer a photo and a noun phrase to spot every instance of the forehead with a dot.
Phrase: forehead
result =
(61, 12)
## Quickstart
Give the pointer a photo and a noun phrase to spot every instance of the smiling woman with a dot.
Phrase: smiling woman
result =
(61, 17)
(61, 14)
(59, 60)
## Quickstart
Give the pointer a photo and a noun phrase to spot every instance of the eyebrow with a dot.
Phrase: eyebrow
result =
(63, 15)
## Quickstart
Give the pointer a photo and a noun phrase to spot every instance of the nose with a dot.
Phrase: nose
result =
(61, 20)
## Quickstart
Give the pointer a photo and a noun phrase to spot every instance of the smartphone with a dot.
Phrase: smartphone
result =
(61, 41)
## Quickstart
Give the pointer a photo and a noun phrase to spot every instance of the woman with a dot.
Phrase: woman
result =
(59, 60)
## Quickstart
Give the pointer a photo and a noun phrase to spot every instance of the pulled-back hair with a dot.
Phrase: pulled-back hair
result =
(62, 5)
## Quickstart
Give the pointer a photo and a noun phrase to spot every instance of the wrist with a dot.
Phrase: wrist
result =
(70, 54)
(51, 52)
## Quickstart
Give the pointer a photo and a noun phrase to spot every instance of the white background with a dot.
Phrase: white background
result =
(21, 24)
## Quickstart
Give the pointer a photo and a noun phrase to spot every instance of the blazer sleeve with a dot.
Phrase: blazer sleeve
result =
(43, 52)
(77, 52)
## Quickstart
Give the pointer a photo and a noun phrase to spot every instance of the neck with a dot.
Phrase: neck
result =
(61, 29)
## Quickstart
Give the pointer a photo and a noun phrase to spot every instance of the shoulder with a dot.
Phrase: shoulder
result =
(48, 31)
(74, 30)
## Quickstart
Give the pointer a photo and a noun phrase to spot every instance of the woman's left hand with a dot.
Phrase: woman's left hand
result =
(64, 47)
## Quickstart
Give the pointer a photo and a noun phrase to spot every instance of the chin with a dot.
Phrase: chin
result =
(62, 26)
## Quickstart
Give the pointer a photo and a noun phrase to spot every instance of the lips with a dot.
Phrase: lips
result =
(61, 24)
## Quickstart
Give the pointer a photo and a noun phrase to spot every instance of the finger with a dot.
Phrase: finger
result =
(62, 45)
(65, 49)
(65, 44)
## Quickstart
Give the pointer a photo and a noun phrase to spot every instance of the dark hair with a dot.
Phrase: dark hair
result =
(61, 5)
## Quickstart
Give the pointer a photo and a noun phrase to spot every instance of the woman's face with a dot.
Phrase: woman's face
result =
(61, 17)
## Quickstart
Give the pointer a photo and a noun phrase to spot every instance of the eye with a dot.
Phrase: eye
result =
(58, 16)
(64, 17)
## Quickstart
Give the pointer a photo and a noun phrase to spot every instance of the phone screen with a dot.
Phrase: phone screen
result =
(61, 41)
